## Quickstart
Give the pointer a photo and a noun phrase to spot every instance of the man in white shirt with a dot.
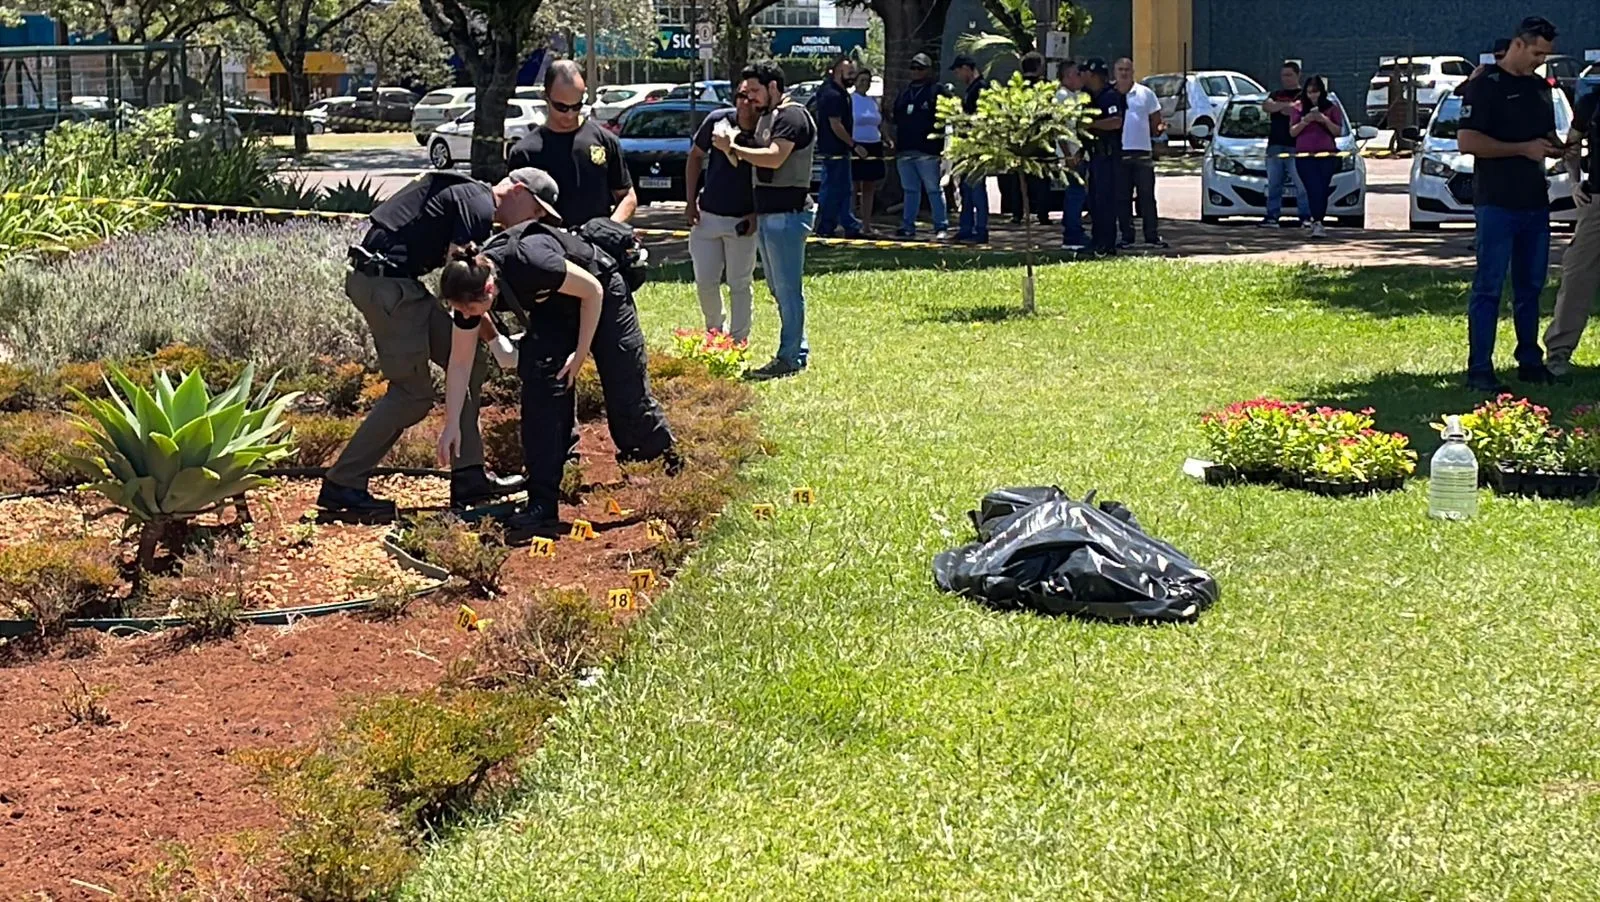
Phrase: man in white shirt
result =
(1136, 171)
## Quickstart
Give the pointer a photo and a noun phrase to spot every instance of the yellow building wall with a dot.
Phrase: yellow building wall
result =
(1161, 28)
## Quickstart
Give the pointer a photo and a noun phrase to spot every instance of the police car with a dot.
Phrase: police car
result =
(1441, 176)
(1233, 176)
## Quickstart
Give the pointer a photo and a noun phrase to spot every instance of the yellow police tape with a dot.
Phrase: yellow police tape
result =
(675, 234)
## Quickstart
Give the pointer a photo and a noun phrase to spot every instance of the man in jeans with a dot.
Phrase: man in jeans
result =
(1136, 170)
(722, 233)
(1072, 94)
(1508, 123)
(974, 188)
(784, 142)
(836, 145)
(1580, 265)
(921, 144)
(1280, 149)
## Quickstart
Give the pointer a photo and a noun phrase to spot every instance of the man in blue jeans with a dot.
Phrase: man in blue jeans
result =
(1072, 93)
(974, 227)
(784, 142)
(1508, 123)
(836, 145)
(1281, 170)
(921, 143)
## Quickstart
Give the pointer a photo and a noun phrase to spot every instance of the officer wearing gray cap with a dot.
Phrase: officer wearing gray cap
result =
(920, 140)
(413, 234)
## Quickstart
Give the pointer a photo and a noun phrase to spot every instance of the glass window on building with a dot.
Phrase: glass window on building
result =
(791, 14)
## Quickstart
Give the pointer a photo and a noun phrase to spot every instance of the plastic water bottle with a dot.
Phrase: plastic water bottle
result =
(1453, 479)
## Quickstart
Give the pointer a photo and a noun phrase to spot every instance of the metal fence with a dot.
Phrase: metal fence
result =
(42, 87)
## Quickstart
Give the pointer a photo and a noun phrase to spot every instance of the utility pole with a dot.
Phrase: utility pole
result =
(592, 70)
(694, 91)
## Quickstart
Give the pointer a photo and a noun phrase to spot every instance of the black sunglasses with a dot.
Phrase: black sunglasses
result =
(560, 107)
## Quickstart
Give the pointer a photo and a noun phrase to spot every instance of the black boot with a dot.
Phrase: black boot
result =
(470, 486)
(357, 505)
(536, 518)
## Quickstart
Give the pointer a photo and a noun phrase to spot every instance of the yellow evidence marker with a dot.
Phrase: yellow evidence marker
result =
(620, 599)
(642, 579)
(582, 530)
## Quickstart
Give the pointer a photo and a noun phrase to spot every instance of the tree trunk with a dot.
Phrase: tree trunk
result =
(1027, 231)
(144, 559)
(736, 43)
(496, 83)
(299, 99)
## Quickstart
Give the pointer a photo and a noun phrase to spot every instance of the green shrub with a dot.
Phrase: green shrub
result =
(417, 448)
(53, 581)
(203, 173)
(473, 556)
(209, 593)
(545, 638)
(43, 444)
(15, 388)
(269, 294)
(319, 438)
(348, 197)
(502, 441)
(291, 192)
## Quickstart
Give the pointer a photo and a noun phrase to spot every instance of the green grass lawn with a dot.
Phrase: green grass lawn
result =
(1380, 707)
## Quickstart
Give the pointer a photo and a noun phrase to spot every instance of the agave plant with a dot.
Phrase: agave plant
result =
(348, 197)
(169, 456)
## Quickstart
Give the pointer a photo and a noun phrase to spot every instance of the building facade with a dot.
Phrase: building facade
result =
(794, 28)
(1341, 39)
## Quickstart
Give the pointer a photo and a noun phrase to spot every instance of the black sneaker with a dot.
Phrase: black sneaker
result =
(354, 505)
(1268, 224)
(471, 486)
(536, 519)
(1536, 375)
(1562, 372)
(1124, 245)
(1157, 244)
(904, 233)
(775, 369)
(1487, 384)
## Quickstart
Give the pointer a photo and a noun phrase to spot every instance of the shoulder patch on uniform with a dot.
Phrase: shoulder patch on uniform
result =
(597, 154)
(1466, 110)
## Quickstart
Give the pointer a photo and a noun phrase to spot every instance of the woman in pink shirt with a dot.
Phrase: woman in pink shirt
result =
(1316, 124)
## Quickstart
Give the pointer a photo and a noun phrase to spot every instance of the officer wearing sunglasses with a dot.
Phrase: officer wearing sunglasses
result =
(583, 158)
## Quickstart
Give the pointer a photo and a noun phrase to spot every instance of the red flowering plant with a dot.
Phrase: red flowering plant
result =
(1580, 452)
(1316, 429)
(1250, 436)
(1512, 431)
(722, 356)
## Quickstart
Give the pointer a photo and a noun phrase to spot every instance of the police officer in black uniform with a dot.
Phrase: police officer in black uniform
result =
(1105, 154)
(583, 158)
(411, 235)
(562, 284)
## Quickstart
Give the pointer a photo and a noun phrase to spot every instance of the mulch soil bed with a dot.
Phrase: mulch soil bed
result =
(95, 806)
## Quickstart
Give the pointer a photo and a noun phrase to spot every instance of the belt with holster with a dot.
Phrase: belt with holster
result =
(373, 263)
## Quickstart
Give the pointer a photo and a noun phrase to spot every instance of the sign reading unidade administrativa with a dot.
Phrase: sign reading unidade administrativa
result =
(675, 42)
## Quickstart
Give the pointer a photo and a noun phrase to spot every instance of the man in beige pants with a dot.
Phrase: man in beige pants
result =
(1580, 265)
(721, 212)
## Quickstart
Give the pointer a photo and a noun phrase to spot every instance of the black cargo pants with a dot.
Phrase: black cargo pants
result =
(549, 420)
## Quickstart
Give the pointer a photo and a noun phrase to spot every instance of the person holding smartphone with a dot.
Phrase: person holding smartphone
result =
(1316, 124)
(722, 217)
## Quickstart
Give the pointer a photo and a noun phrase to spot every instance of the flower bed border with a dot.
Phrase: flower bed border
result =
(18, 629)
(1228, 476)
(1507, 480)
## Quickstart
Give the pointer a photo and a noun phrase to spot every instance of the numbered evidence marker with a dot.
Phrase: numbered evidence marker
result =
(466, 618)
(656, 530)
(542, 547)
(764, 511)
(620, 599)
(641, 580)
(804, 495)
(582, 530)
(615, 509)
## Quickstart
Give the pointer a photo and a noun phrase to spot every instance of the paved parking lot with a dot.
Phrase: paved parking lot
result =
(1384, 241)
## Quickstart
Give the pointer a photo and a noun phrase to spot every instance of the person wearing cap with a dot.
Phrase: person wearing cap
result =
(411, 235)
(920, 143)
(584, 159)
(974, 227)
(1105, 152)
(560, 285)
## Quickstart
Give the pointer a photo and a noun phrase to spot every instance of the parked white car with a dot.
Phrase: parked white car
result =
(1198, 98)
(317, 114)
(439, 107)
(451, 143)
(1233, 176)
(1441, 176)
(1436, 77)
(614, 100)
